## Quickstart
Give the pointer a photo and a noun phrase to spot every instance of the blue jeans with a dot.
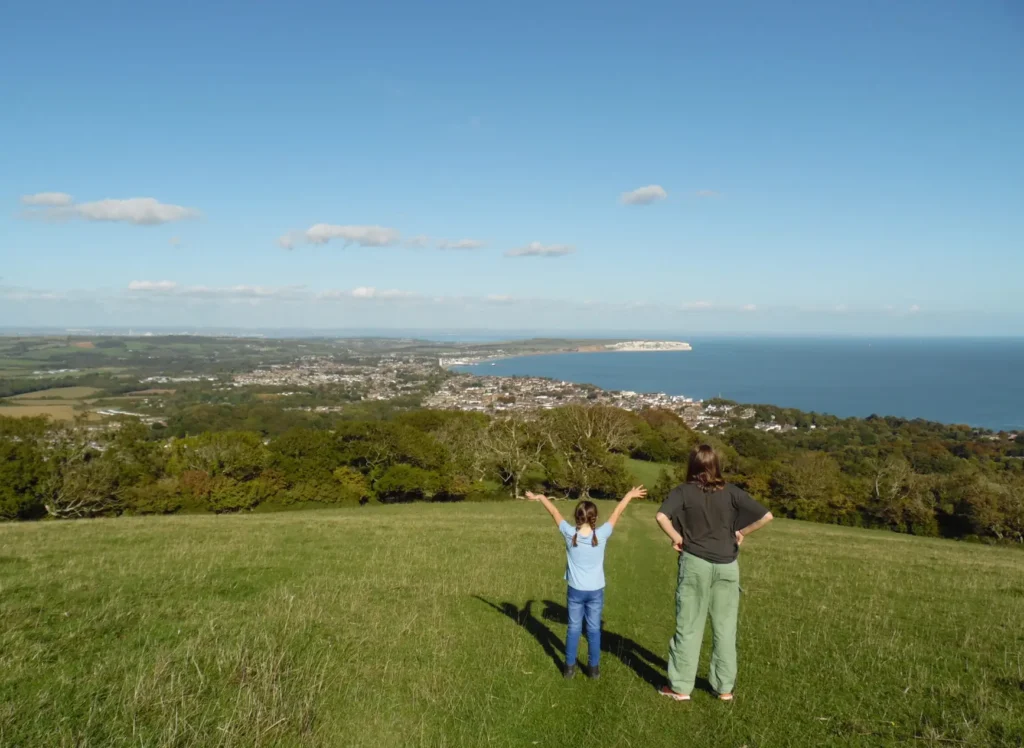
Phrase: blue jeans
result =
(584, 605)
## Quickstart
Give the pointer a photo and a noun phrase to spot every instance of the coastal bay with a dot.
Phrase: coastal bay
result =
(971, 381)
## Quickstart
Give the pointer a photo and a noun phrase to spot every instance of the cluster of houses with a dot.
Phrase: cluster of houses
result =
(382, 379)
(501, 394)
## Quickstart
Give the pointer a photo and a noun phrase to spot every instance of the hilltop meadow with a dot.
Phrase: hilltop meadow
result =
(199, 600)
(443, 625)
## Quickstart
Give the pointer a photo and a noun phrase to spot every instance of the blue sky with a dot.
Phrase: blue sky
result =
(810, 167)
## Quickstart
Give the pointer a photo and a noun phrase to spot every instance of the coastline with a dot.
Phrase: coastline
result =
(924, 381)
(447, 363)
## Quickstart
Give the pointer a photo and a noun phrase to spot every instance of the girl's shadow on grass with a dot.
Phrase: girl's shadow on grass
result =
(642, 661)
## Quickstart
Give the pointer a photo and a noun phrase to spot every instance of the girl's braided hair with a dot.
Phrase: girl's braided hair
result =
(586, 514)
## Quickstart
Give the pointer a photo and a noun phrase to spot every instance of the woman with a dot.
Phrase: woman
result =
(707, 520)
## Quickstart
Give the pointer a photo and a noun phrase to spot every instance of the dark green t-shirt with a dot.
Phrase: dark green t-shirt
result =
(708, 521)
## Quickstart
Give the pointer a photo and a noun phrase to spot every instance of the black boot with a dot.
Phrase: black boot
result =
(569, 672)
(594, 673)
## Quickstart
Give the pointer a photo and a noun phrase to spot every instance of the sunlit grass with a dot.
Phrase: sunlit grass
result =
(443, 625)
(647, 473)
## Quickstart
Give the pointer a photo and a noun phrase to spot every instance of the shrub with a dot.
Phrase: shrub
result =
(22, 470)
(230, 495)
(351, 486)
(162, 497)
(401, 483)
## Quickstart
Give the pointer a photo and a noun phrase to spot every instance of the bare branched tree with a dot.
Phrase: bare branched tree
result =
(582, 437)
(514, 444)
(80, 483)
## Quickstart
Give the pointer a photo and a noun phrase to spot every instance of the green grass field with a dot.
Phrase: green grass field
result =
(645, 472)
(443, 625)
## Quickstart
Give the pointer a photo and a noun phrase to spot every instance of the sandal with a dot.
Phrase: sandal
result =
(667, 691)
(725, 697)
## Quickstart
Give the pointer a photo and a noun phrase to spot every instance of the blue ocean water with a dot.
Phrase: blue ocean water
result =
(979, 382)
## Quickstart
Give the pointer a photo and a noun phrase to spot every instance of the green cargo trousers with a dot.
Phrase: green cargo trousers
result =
(704, 585)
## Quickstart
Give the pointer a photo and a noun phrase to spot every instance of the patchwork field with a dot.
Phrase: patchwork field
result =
(443, 625)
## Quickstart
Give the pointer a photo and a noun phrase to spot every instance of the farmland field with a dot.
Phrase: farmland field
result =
(56, 411)
(442, 625)
(58, 393)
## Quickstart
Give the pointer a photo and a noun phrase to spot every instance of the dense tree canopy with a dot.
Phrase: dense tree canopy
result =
(907, 476)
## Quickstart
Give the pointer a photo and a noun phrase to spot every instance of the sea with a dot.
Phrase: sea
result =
(978, 382)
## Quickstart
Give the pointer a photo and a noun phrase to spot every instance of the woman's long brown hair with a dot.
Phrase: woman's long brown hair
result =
(705, 469)
(586, 514)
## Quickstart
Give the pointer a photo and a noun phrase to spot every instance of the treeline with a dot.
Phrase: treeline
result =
(108, 384)
(907, 476)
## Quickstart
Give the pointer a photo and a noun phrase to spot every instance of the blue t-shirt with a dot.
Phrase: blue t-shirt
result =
(584, 569)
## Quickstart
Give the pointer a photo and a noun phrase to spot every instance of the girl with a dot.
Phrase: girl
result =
(706, 519)
(584, 551)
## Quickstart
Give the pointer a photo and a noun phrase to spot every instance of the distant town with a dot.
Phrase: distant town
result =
(104, 379)
(393, 377)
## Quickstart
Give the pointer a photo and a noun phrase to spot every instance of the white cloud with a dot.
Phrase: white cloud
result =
(698, 305)
(368, 236)
(707, 193)
(496, 298)
(461, 244)
(47, 199)
(652, 193)
(536, 249)
(748, 308)
(146, 285)
(914, 309)
(236, 292)
(365, 292)
(284, 293)
(363, 236)
(254, 293)
(141, 211)
(369, 292)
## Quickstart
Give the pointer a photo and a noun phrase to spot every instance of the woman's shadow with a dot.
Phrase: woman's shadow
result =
(642, 661)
